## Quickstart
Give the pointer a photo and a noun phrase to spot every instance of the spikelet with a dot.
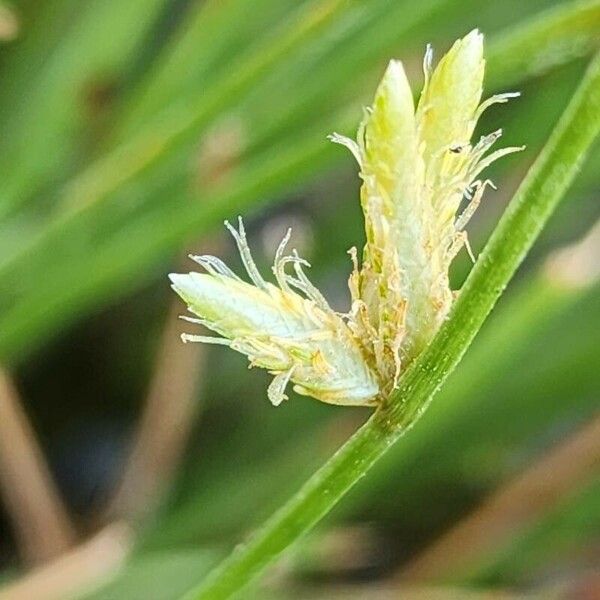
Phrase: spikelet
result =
(297, 337)
(417, 165)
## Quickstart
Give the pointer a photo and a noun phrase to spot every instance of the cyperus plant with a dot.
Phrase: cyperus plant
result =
(417, 166)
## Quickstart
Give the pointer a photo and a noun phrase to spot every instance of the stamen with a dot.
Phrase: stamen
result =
(194, 320)
(214, 265)
(337, 138)
(427, 66)
(496, 99)
(249, 264)
(469, 249)
(360, 135)
(475, 200)
(204, 339)
(276, 389)
(494, 156)
(482, 146)
(283, 278)
(456, 245)
(279, 263)
(310, 290)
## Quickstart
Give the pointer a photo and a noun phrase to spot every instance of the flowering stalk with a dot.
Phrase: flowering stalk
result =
(417, 165)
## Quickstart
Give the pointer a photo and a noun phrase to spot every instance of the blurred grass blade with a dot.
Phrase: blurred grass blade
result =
(566, 533)
(39, 121)
(332, 80)
(330, 59)
(524, 219)
(514, 507)
(84, 566)
(557, 36)
(132, 158)
(154, 576)
(42, 524)
(214, 35)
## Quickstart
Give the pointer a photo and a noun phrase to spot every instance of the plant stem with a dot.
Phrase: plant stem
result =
(534, 202)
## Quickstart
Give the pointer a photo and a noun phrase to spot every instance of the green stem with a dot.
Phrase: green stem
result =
(534, 202)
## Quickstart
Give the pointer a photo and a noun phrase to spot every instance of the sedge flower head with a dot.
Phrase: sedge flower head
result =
(418, 164)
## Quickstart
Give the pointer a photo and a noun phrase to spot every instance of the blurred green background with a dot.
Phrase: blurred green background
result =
(129, 131)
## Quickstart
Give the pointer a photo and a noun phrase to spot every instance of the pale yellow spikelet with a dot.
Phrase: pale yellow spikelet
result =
(296, 337)
(394, 257)
(450, 97)
(418, 166)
